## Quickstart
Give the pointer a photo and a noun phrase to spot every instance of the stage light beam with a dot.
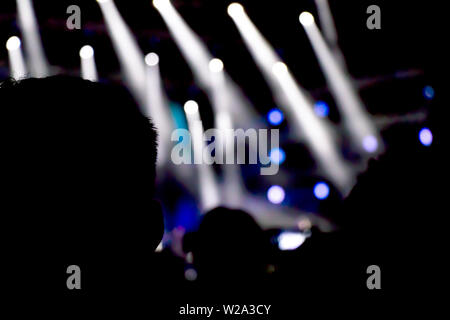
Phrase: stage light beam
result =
(127, 49)
(36, 60)
(297, 105)
(209, 195)
(157, 107)
(17, 66)
(355, 118)
(88, 67)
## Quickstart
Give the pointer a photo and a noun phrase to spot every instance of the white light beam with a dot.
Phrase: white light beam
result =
(355, 117)
(37, 62)
(16, 61)
(130, 56)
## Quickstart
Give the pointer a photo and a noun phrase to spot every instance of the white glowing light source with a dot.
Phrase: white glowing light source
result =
(13, 43)
(426, 137)
(216, 65)
(234, 9)
(290, 240)
(86, 52)
(103, 1)
(306, 18)
(279, 68)
(191, 107)
(151, 59)
(277, 155)
(370, 144)
(275, 194)
(321, 190)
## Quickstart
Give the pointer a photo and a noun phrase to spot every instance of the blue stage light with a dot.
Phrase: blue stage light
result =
(321, 109)
(426, 137)
(321, 190)
(428, 92)
(277, 155)
(275, 117)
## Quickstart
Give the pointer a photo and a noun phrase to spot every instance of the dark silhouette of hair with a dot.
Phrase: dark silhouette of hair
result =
(229, 248)
(78, 168)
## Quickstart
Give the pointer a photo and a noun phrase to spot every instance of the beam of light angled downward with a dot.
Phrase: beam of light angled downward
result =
(356, 119)
(315, 131)
(207, 183)
(203, 65)
(130, 56)
(37, 62)
(16, 62)
(157, 106)
(88, 67)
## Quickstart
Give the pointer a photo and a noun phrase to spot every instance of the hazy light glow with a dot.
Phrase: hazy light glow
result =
(277, 155)
(355, 117)
(428, 92)
(370, 144)
(276, 194)
(306, 18)
(151, 59)
(216, 65)
(321, 190)
(235, 9)
(321, 109)
(13, 43)
(288, 240)
(426, 137)
(275, 117)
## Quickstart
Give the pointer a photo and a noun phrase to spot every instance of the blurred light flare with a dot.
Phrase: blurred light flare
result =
(13, 43)
(370, 144)
(276, 194)
(321, 109)
(306, 18)
(289, 240)
(321, 190)
(275, 117)
(216, 65)
(426, 137)
(191, 107)
(428, 92)
(151, 59)
(277, 155)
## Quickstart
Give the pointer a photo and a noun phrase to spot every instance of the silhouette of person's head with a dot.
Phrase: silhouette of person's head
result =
(229, 246)
(78, 171)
